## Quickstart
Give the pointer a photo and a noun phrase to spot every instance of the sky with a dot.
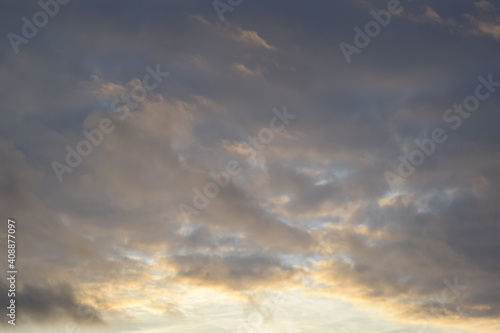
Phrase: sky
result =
(251, 166)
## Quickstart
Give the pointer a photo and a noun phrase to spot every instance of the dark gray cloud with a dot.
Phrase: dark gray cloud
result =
(47, 304)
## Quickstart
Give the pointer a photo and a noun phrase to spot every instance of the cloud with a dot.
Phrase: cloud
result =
(49, 303)
(486, 21)
(236, 272)
(480, 20)
(252, 38)
(245, 70)
(311, 212)
(249, 37)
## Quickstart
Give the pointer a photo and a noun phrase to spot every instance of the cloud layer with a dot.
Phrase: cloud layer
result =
(311, 211)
